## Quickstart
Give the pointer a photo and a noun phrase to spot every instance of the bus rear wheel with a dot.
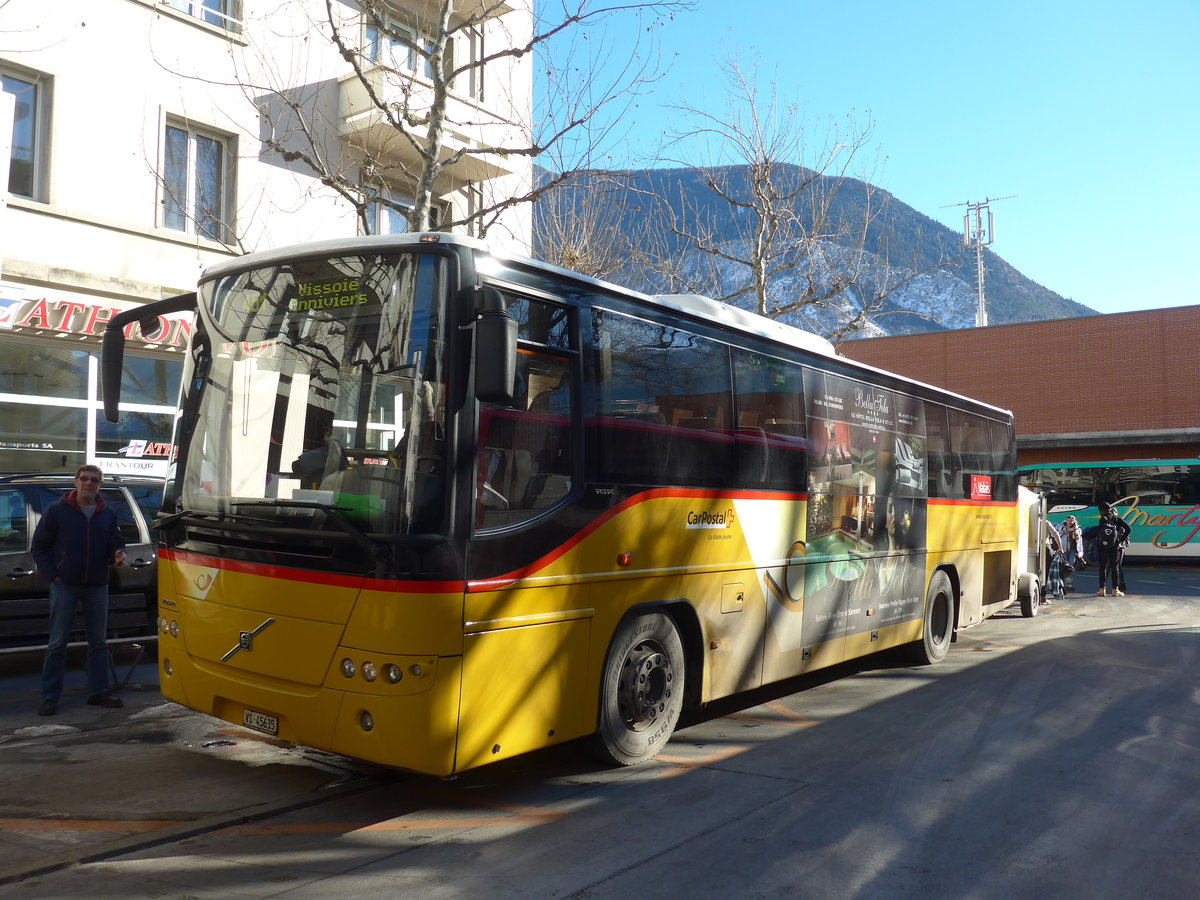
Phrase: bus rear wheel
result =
(938, 629)
(1029, 592)
(641, 691)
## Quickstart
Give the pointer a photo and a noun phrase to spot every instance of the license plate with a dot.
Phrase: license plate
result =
(260, 721)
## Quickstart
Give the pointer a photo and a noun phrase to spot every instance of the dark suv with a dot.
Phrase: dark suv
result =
(24, 593)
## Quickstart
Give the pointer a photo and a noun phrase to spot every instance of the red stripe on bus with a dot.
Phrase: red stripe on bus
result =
(509, 578)
(331, 579)
(945, 501)
(304, 576)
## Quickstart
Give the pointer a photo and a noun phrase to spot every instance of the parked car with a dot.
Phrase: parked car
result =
(25, 594)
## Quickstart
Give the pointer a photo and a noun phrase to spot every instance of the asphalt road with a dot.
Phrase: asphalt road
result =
(1049, 757)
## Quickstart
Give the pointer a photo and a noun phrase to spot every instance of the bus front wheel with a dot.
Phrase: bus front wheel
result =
(938, 629)
(641, 692)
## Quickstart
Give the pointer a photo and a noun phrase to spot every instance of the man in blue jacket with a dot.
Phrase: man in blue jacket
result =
(75, 542)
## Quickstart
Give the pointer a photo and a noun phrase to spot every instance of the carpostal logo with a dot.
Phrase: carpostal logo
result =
(710, 520)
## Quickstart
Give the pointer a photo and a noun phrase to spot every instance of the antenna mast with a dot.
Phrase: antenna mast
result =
(976, 235)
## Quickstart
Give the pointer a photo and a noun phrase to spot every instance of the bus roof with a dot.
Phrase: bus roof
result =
(693, 305)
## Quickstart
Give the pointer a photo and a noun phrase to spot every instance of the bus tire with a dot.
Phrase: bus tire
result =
(1029, 592)
(937, 630)
(641, 690)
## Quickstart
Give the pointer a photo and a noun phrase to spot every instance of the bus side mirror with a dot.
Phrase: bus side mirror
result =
(112, 358)
(495, 350)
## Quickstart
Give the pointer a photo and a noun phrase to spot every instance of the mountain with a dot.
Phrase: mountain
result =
(615, 223)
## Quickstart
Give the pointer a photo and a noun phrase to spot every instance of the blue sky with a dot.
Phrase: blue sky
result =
(1088, 112)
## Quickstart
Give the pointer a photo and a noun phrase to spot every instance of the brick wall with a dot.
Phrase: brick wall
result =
(1114, 373)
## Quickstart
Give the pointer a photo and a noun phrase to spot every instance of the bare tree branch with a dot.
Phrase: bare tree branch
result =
(769, 235)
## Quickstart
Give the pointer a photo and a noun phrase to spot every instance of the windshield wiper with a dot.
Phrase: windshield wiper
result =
(334, 512)
(167, 521)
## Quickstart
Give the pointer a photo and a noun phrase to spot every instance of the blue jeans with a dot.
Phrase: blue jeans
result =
(63, 600)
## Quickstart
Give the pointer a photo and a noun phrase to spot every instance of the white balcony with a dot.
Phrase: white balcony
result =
(469, 126)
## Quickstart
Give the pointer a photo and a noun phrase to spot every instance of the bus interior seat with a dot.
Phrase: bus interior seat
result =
(753, 458)
(506, 476)
(370, 483)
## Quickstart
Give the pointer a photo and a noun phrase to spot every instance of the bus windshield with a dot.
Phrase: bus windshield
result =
(318, 395)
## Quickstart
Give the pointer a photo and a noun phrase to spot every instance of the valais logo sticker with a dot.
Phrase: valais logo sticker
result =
(981, 487)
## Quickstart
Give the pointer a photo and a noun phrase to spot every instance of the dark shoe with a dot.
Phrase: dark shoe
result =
(106, 700)
(48, 708)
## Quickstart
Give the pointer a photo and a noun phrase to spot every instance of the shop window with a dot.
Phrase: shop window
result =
(151, 381)
(37, 438)
(43, 370)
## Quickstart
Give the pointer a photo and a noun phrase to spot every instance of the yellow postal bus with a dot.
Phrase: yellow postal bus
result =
(432, 507)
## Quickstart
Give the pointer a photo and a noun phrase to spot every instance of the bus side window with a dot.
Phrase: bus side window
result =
(665, 399)
(970, 453)
(524, 459)
(771, 433)
(1004, 463)
(937, 450)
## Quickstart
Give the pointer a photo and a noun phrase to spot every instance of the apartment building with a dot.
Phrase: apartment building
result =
(153, 138)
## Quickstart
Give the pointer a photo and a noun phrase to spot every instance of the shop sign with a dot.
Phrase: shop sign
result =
(120, 465)
(44, 311)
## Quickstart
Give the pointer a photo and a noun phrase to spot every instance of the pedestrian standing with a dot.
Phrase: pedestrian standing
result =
(1054, 548)
(1072, 539)
(1111, 535)
(74, 544)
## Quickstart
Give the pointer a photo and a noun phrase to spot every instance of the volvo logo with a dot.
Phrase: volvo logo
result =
(246, 640)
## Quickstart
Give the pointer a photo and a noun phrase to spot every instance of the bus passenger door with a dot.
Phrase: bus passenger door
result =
(526, 632)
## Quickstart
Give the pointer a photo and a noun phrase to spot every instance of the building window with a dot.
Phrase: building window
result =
(195, 181)
(399, 46)
(221, 13)
(28, 138)
(473, 77)
(389, 214)
(403, 48)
